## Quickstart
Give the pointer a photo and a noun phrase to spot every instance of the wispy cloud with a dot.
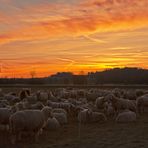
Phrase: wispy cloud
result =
(74, 35)
(57, 19)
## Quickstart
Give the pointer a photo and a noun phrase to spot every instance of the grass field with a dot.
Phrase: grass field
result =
(107, 135)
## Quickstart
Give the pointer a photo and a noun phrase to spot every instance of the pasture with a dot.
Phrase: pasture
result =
(110, 134)
(95, 135)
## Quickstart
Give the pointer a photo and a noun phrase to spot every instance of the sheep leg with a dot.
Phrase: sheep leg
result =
(13, 139)
(79, 132)
(142, 109)
(37, 135)
(19, 136)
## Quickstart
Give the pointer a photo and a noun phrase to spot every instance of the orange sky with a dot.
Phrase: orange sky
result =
(47, 36)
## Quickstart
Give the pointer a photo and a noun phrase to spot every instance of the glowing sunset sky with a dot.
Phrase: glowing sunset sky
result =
(48, 36)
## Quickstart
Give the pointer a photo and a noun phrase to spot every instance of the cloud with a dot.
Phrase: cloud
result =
(48, 20)
(94, 39)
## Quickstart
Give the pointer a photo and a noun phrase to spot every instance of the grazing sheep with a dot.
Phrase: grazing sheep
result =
(87, 116)
(139, 92)
(5, 113)
(100, 102)
(84, 116)
(52, 124)
(142, 102)
(11, 99)
(65, 105)
(52, 97)
(32, 99)
(117, 92)
(3, 103)
(19, 106)
(37, 105)
(24, 93)
(91, 96)
(108, 109)
(131, 95)
(53, 104)
(59, 110)
(126, 117)
(1, 93)
(42, 96)
(120, 104)
(31, 121)
(61, 117)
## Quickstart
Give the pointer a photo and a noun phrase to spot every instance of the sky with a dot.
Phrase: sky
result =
(49, 36)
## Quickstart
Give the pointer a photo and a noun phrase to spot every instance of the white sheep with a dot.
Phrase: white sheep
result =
(37, 105)
(126, 117)
(120, 104)
(25, 92)
(59, 110)
(108, 109)
(1, 93)
(5, 113)
(11, 99)
(88, 116)
(42, 96)
(3, 103)
(28, 121)
(84, 116)
(32, 99)
(65, 105)
(100, 102)
(142, 102)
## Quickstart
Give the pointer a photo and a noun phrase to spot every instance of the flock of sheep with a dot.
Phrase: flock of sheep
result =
(31, 113)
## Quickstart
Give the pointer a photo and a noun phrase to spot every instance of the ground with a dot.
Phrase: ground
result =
(104, 135)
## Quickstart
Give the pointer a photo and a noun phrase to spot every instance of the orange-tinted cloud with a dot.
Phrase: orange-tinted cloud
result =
(86, 35)
(54, 20)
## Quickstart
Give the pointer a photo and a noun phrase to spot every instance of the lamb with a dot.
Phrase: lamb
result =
(30, 121)
(126, 117)
(52, 124)
(61, 117)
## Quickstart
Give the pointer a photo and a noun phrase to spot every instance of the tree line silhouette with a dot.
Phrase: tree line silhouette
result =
(109, 76)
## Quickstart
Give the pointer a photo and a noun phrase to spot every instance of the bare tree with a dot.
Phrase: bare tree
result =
(32, 74)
